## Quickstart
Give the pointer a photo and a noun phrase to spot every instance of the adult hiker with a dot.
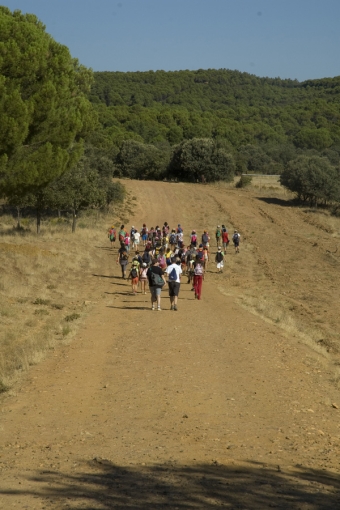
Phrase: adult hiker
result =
(134, 276)
(193, 238)
(143, 277)
(173, 239)
(236, 241)
(219, 259)
(121, 234)
(218, 234)
(205, 238)
(156, 281)
(146, 257)
(200, 254)
(144, 234)
(174, 272)
(198, 278)
(112, 235)
(205, 257)
(123, 259)
(127, 242)
(225, 238)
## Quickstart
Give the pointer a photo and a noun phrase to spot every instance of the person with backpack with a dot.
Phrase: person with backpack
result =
(121, 234)
(219, 259)
(123, 259)
(144, 234)
(134, 276)
(225, 238)
(112, 235)
(173, 239)
(191, 269)
(146, 257)
(193, 239)
(236, 241)
(205, 238)
(174, 272)
(200, 254)
(156, 281)
(161, 259)
(205, 258)
(198, 277)
(218, 235)
(143, 277)
(127, 241)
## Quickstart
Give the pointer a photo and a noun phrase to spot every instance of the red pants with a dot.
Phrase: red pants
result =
(198, 279)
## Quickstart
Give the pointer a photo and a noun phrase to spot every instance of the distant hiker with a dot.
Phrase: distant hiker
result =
(205, 238)
(138, 257)
(143, 277)
(198, 278)
(236, 241)
(200, 254)
(225, 237)
(112, 235)
(218, 234)
(179, 229)
(205, 257)
(134, 275)
(123, 259)
(219, 259)
(191, 269)
(146, 257)
(161, 259)
(156, 281)
(144, 234)
(174, 272)
(127, 242)
(122, 234)
(173, 239)
(193, 238)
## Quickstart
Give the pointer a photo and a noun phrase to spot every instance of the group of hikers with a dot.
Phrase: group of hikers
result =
(165, 253)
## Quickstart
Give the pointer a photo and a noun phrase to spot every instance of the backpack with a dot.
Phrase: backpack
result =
(218, 233)
(162, 261)
(205, 238)
(200, 254)
(173, 238)
(173, 275)
(134, 273)
(219, 256)
(143, 231)
(193, 239)
(146, 257)
(236, 238)
(198, 270)
(156, 279)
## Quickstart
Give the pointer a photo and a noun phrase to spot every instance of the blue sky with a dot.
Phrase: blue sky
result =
(298, 39)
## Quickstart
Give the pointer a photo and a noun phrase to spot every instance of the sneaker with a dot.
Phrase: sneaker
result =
(175, 308)
(152, 308)
(172, 307)
(159, 308)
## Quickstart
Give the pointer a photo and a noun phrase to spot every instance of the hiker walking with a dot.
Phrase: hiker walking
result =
(144, 234)
(156, 281)
(236, 241)
(174, 272)
(225, 238)
(112, 236)
(123, 259)
(198, 278)
(218, 234)
(205, 238)
(193, 239)
(134, 276)
(122, 234)
(143, 277)
(219, 259)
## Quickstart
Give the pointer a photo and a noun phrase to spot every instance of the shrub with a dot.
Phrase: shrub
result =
(244, 181)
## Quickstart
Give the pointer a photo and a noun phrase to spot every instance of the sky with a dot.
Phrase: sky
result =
(297, 39)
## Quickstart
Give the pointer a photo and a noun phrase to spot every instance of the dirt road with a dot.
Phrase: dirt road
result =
(232, 401)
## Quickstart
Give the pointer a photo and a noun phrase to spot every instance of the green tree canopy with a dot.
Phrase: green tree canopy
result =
(44, 109)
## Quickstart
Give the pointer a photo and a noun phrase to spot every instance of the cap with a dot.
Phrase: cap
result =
(201, 246)
(218, 226)
(218, 249)
(144, 264)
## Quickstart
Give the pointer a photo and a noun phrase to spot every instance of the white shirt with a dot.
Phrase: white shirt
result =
(137, 237)
(178, 272)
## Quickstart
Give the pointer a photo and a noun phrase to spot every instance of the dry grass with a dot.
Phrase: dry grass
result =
(43, 280)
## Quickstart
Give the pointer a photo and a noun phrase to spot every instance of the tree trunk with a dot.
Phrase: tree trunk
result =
(74, 220)
(18, 218)
(38, 220)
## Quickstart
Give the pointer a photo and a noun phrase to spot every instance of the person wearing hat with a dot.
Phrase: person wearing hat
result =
(134, 276)
(112, 235)
(236, 241)
(143, 277)
(218, 235)
(219, 259)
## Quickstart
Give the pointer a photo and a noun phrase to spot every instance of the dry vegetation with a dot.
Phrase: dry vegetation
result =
(43, 287)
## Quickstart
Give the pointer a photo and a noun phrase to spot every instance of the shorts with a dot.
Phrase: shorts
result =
(173, 288)
(135, 280)
(144, 237)
(220, 265)
(155, 291)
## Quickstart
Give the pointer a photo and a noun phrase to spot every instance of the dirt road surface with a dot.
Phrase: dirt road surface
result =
(233, 401)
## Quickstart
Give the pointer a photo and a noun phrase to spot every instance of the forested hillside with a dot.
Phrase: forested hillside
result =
(263, 123)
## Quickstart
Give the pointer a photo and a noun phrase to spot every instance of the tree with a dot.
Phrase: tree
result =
(44, 110)
(313, 179)
(142, 161)
(201, 159)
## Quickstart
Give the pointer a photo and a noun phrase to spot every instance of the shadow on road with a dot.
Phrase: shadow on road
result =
(104, 485)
